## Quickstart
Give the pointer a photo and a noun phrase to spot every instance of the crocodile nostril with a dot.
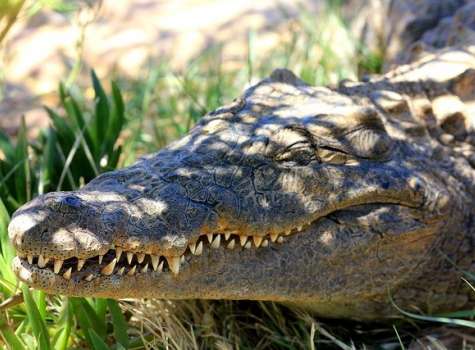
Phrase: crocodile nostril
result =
(44, 232)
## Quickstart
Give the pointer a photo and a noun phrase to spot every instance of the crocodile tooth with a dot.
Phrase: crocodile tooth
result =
(231, 244)
(140, 258)
(274, 236)
(299, 228)
(42, 261)
(227, 235)
(265, 243)
(67, 274)
(288, 232)
(243, 240)
(247, 245)
(192, 247)
(217, 242)
(132, 271)
(210, 237)
(121, 271)
(118, 253)
(199, 249)
(160, 267)
(57, 265)
(130, 256)
(89, 277)
(108, 269)
(145, 268)
(174, 264)
(30, 259)
(257, 240)
(155, 260)
(81, 263)
(280, 239)
(100, 259)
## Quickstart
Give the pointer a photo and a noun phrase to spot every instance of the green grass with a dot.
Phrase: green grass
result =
(142, 116)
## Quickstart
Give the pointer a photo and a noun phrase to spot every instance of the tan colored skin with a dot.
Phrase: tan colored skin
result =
(370, 185)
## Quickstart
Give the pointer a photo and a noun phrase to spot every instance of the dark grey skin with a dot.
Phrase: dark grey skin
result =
(357, 191)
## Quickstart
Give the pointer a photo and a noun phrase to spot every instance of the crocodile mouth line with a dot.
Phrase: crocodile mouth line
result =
(117, 261)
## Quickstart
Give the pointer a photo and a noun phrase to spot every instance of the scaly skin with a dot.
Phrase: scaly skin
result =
(327, 199)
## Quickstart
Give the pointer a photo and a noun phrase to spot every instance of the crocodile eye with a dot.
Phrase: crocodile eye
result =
(359, 133)
(297, 156)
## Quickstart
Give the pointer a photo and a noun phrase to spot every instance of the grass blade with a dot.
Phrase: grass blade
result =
(97, 342)
(22, 176)
(6, 146)
(81, 316)
(100, 306)
(48, 163)
(119, 323)
(7, 277)
(90, 318)
(40, 297)
(69, 160)
(74, 113)
(101, 115)
(62, 338)
(9, 337)
(117, 119)
(446, 320)
(6, 247)
(37, 323)
(401, 344)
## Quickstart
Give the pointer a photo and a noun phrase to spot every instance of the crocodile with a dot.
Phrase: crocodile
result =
(344, 200)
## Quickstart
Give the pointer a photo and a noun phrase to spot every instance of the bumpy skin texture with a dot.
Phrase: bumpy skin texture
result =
(370, 186)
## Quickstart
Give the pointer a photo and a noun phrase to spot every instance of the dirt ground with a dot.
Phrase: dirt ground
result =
(122, 36)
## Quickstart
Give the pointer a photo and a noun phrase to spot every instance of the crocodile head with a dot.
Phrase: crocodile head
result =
(292, 193)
